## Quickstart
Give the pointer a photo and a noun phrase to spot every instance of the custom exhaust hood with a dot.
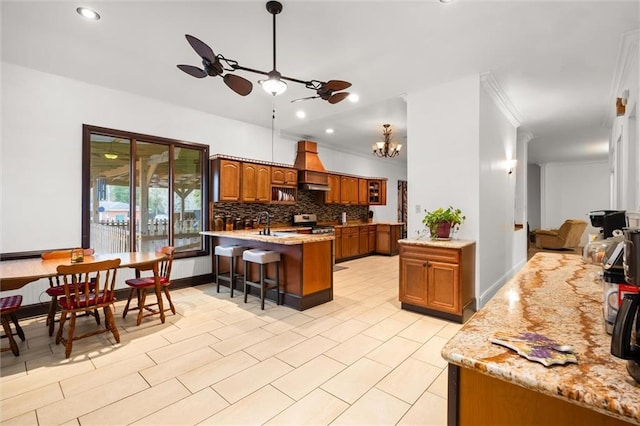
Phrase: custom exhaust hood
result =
(312, 175)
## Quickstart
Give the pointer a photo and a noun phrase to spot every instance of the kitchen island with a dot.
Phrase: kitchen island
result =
(560, 297)
(306, 265)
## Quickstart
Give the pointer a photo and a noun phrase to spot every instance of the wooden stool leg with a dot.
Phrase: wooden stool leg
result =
(7, 330)
(19, 330)
(142, 296)
(51, 316)
(166, 293)
(110, 320)
(63, 318)
(126, 308)
(262, 284)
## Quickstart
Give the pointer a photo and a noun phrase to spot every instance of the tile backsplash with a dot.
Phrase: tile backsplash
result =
(308, 202)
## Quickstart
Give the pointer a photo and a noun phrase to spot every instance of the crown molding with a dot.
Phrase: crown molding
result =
(627, 54)
(493, 88)
(525, 137)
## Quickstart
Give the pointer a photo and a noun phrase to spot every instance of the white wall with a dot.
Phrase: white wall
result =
(571, 191)
(533, 196)
(460, 144)
(40, 189)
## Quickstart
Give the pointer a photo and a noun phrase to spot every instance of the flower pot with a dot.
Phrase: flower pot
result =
(443, 230)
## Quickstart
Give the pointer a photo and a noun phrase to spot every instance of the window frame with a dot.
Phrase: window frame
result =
(88, 129)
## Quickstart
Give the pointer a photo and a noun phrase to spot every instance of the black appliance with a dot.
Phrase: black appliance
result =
(623, 342)
(608, 220)
(311, 221)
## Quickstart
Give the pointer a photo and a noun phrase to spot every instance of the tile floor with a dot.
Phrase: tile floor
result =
(359, 359)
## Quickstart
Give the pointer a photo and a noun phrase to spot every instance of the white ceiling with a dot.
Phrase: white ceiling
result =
(554, 60)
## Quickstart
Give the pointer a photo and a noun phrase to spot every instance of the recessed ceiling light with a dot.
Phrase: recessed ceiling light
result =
(329, 130)
(354, 97)
(87, 13)
(446, 1)
(301, 114)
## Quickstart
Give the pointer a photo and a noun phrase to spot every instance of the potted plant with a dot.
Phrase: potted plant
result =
(441, 220)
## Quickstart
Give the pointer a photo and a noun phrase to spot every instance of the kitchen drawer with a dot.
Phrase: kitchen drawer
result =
(432, 253)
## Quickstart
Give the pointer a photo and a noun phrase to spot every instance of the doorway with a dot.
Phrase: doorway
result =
(402, 206)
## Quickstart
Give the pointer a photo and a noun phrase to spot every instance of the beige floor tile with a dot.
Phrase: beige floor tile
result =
(348, 312)
(374, 408)
(28, 401)
(241, 341)
(409, 380)
(430, 352)
(44, 376)
(287, 323)
(274, 345)
(26, 419)
(182, 347)
(353, 349)
(385, 329)
(317, 326)
(250, 380)
(323, 310)
(137, 406)
(182, 364)
(440, 385)
(80, 404)
(235, 314)
(423, 329)
(354, 381)
(188, 411)
(239, 327)
(407, 316)
(449, 330)
(307, 350)
(345, 330)
(309, 376)
(375, 315)
(317, 408)
(127, 350)
(394, 352)
(429, 410)
(104, 375)
(255, 409)
(211, 373)
(193, 330)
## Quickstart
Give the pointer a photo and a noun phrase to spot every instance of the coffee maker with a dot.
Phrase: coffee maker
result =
(625, 342)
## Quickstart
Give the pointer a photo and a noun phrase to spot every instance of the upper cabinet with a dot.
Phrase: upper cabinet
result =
(377, 192)
(226, 180)
(363, 191)
(256, 183)
(284, 176)
(348, 190)
(332, 196)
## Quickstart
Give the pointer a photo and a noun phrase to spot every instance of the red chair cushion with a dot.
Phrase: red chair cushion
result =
(83, 302)
(58, 290)
(146, 282)
(10, 303)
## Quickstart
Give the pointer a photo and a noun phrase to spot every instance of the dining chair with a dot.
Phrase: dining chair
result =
(56, 290)
(8, 307)
(140, 285)
(87, 287)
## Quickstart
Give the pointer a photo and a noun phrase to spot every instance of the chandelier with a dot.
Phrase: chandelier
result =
(386, 148)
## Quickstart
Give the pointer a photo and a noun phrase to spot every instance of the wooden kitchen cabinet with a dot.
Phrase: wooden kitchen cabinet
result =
(350, 241)
(372, 229)
(387, 236)
(256, 182)
(348, 190)
(332, 196)
(377, 192)
(337, 243)
(226, 180)
(363, 234)
(284, 176)
(363, 191)
(438, 279)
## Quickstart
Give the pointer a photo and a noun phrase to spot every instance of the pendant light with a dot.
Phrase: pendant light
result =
(386, 148)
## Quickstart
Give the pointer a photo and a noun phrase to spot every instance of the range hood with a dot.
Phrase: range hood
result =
(312, 175)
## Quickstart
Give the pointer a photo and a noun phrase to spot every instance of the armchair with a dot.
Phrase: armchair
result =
(566, 237)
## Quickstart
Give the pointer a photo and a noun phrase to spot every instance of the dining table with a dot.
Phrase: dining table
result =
(14, 274)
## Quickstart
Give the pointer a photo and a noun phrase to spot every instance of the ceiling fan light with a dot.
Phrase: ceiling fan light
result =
(273, 85)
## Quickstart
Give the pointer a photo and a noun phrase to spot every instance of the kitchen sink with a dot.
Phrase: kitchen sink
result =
(281, 234)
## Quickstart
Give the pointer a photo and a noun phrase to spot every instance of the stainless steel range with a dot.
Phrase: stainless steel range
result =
(311, 221)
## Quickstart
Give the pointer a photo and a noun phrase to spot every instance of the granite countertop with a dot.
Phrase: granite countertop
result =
(559, 296)
(350, 224)
(284, 236)
(455, 244)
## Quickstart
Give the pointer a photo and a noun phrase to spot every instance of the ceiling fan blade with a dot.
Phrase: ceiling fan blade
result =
(238, 84)
(335, 85)
(193, 71)
(337, 97)
(304, 99)
(201, 48)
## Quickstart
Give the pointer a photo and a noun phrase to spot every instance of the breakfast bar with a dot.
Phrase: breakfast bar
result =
(306, 271)
(558, 296)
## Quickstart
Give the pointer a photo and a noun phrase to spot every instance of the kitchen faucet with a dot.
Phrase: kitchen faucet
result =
(267, 229)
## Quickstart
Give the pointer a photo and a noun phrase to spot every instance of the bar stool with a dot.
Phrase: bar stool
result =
(231, 252)
(262, 257)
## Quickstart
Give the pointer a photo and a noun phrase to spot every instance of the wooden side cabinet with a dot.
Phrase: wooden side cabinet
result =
(226, 180)
(387, 236)
(438, 279)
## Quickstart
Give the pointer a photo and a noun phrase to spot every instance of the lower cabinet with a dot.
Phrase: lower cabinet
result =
(387, 236)
(438, 279)
(337, 243)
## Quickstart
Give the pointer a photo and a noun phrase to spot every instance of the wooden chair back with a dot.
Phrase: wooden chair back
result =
(164, 266)
(89, 281)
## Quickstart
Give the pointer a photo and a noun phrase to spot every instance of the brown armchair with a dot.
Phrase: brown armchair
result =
(566, 237)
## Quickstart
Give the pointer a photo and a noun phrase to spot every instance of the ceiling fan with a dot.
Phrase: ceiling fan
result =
(217, 65)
